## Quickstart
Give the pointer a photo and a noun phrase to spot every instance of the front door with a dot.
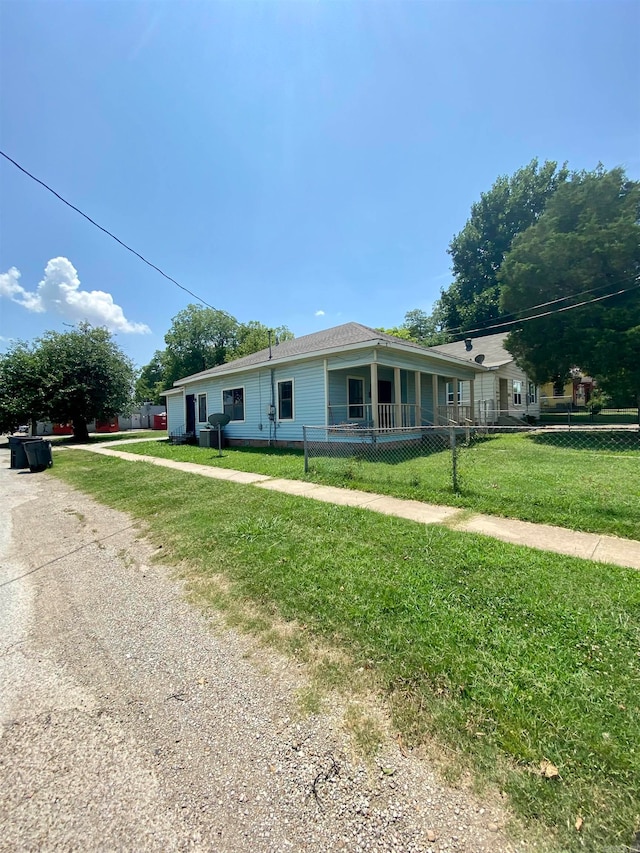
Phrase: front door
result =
(504, 398)
(190, 401)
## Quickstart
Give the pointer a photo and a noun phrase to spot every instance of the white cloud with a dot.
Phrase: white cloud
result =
(59, 292)
(319, 313)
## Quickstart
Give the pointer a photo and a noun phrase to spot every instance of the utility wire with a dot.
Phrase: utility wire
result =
(456, 330)
(106, 231)
(557, 311)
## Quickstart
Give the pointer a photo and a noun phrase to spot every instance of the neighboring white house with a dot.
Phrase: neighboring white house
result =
(503, 392)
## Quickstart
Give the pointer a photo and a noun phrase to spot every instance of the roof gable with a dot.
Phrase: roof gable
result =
(489, 346)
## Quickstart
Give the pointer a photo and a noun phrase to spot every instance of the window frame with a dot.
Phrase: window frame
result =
(202, 395)
(449, 392)
(516, 394)
(350, 405)
(292, 416)
(533, 392)
(232, 391)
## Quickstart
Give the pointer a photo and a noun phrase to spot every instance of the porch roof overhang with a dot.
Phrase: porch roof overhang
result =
(171, 391)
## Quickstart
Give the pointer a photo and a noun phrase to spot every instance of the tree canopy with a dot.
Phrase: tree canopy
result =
(511, 206)
(75, 376)
(200, 338)
(584, 248)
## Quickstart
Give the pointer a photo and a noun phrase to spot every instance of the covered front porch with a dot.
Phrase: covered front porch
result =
(382, 396)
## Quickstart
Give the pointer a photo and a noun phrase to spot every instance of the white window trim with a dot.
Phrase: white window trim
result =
(363, 404)
(533, 398)
(293, 399)
(206, 407)
(515, 382)
(244, 402)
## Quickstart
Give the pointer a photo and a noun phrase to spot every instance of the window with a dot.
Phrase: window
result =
(233, 403)
(533, 392)
(355, 397)
(517, 392)
(285, 400)
(450, 393)
(202, 408)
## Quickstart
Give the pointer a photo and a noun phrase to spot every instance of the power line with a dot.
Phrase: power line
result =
(557, 311)
(106, 231)
(454, 330)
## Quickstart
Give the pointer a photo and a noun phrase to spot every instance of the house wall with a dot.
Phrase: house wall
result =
(175, 413)
(308, 401)
(487, 389)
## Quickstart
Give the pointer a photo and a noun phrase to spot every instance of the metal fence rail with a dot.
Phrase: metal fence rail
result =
(452, 458)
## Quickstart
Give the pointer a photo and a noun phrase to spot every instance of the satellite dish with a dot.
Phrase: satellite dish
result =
(479, 358)
(219, 419)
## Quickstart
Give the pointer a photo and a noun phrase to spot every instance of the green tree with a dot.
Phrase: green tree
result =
(20, 387)
(420, 327)
(585, 247)
(254, 336)
(511, 206)
(75, 376)
(199, 338)
(84, 376)
(151, 380)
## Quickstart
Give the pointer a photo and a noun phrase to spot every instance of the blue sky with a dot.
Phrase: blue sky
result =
(282, 159)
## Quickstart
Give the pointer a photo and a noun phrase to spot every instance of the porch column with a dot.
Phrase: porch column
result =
(434, 387)
(472, 399)
(397, 396)
(454, 385)
(374, 394)
(416, 377)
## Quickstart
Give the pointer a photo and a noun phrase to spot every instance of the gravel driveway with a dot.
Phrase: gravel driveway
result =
(130, 721)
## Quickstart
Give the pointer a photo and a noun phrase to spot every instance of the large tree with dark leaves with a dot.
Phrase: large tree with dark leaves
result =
(77, 376)
(581, 262)
(511, 206)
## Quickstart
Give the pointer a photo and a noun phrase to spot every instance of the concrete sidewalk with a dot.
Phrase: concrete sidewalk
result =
(543, 537)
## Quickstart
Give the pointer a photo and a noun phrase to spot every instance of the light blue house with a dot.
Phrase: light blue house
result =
(350, 374)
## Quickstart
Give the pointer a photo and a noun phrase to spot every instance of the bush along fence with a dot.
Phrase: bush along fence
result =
(432, 462)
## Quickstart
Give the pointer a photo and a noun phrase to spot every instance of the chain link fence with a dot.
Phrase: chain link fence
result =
(430, 462)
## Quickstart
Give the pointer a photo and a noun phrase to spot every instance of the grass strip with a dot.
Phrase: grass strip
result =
(510, 656)
(592, 486)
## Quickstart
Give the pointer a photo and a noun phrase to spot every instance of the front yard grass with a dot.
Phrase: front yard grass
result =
(509, 657)
(592, 486)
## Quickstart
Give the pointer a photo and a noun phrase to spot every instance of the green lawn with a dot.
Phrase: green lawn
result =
(593, 485)
(509, 656)
(100, 438)
(607, 417)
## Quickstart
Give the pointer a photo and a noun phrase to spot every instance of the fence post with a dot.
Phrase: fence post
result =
(306, 450)
(454, 458)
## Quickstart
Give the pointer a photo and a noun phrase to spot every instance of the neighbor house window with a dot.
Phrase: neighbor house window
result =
(355, 397)
(285, 400)
(517, 392)
(533, 392)
(202, 408)
(233, 403)
(450, 393)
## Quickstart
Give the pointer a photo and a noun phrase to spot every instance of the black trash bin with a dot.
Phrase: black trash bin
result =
(39, 455)
(17, 445)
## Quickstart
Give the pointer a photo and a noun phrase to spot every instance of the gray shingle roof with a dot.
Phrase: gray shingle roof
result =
(490, 346)
(346, 335)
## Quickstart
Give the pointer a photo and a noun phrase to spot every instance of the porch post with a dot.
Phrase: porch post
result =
(374, 394)
(326, 393)
(397, 396)
(416, 377)
(454, 385)
(434, 387)
(472, 400)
